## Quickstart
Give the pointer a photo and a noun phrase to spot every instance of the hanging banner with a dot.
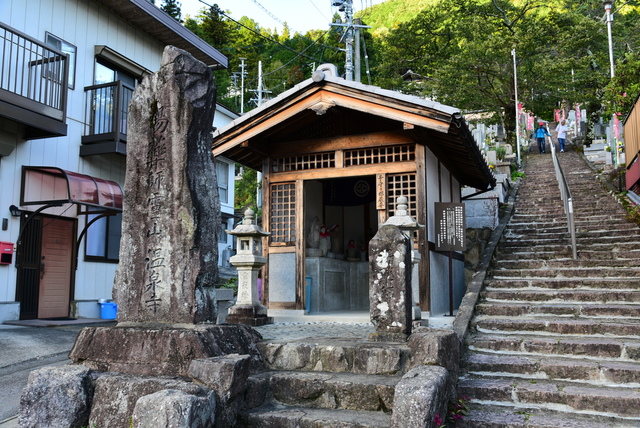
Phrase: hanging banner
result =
(450, 226)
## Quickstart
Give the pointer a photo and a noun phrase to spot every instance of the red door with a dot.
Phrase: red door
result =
(45, 268)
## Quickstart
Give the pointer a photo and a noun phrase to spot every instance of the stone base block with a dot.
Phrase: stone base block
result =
(385, 336)
(161, 349)
(253, 315)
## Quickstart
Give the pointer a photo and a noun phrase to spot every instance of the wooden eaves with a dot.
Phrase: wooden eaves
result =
(289, 118)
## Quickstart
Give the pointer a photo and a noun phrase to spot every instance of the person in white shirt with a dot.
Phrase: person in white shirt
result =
(561, 130)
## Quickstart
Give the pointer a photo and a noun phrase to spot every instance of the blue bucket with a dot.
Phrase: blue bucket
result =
(108, 311)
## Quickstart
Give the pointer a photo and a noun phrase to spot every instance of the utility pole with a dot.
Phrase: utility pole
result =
(259, 83)
(346, 6)
(358, 66)
(348, 13)
(242, 74)
(259, 98)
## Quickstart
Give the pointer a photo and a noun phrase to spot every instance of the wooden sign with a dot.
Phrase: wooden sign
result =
(450, 226)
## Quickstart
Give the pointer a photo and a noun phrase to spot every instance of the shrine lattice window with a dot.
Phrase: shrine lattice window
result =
(402, 185)
(377, 155)
(304, 162)
(283, 213)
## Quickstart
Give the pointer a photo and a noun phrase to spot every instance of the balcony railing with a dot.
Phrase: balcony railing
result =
(106, 119)
(33, 84)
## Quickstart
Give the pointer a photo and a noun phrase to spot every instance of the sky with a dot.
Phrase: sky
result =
(300, 15)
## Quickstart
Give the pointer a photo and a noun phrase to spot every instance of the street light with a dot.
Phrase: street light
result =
(515, 84)
(607, 8)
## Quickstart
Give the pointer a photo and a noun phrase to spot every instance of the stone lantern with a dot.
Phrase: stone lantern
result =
(248, 260)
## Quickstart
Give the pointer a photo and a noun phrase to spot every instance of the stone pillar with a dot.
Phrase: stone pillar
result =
(248, 260)
(168, 252)
(408, 225)
(390, 284)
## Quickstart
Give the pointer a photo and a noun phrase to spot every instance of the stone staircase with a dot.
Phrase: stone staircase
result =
(330, 382)
(555, 342)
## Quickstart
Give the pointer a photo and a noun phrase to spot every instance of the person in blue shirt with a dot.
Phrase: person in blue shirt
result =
(540, 135)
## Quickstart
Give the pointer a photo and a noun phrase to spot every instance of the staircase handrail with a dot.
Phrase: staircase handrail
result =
(565, 195)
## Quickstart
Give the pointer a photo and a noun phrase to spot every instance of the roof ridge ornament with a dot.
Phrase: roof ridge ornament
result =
(324, 70)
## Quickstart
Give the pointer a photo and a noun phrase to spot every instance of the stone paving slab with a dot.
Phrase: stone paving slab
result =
(302, 330)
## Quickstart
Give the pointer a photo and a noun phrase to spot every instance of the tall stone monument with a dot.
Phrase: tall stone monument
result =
(168, 253)
(164, 285)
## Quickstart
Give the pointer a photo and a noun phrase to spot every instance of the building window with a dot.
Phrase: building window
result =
(283, 214)
(68, 48)
(222, 171)
(223, 238)
(102, 243)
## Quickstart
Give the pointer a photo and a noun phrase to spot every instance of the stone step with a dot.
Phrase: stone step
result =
(589, 372)
(336, 355)
(279, 416)
(552, 214)
(582, 225)
(601, 256)
(327, 390)
(517, 416)
(567, 397)
(584, 254)
(590, 251)
(562, 264)
(556, 327)
(582, 272)
(564, 309)
(604, 348)
(561, 297)
(615, 239)
(532, 284)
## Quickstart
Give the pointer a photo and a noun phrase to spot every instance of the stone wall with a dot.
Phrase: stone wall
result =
(477, 240)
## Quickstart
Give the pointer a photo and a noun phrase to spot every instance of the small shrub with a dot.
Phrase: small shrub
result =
(515, 174)
(633, 213)
(232, 283)
(500, 153)
(456, 412)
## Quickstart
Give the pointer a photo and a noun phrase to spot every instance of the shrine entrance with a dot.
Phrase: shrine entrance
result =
(340, 219)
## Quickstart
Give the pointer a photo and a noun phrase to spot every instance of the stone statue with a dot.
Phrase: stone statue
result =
(313, 237)
(325, 241)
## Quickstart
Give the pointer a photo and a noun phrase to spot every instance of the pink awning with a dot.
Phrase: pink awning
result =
(43, 185)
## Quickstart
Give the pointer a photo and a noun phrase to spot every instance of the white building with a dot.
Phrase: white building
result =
(67, 71)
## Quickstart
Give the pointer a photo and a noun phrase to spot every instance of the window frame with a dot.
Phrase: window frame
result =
(105, 238)
(224, 185)
(69, 49)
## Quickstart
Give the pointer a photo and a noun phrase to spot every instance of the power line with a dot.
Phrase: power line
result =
(275, 18)
(260, 35)
(318, 9)
(297, 56)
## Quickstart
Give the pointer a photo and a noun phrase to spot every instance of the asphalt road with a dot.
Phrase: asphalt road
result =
(23, 349)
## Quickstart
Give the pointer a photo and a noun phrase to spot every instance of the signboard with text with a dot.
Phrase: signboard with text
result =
(450, 226)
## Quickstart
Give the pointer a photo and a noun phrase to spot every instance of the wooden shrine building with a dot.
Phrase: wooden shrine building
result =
(334, 156)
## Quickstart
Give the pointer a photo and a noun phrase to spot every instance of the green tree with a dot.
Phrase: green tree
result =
(623, 90)
(172, 7)
(246, 195)
(464, 56)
